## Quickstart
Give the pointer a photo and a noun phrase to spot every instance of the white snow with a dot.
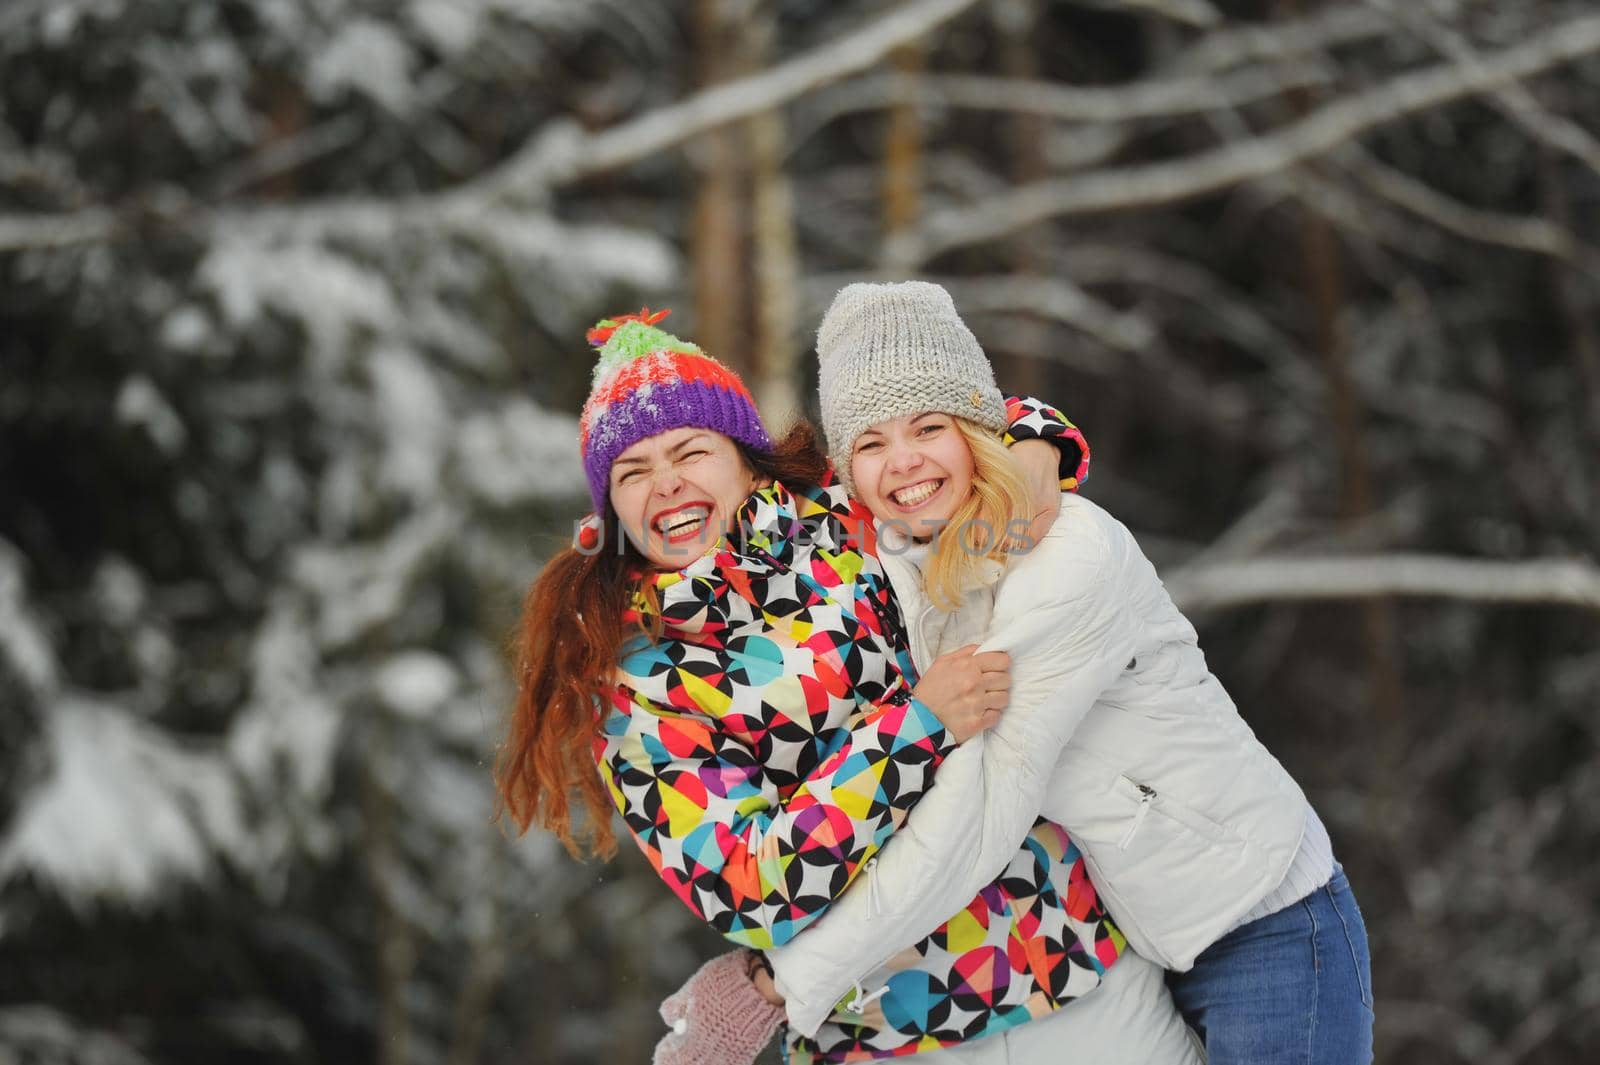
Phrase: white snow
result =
(365, 585)
(578, 261)
(330, 294)
(416, 684)
(44, 1034)
(449, 25)
(416, 422)
(186, 328)
(141, 403)
(22, 636)
(119, 591)
(124, 809)
(368, 57)
(62, 16)
(288, 722)
(520, 453)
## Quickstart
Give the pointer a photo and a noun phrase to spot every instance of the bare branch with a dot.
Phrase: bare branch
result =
(1172, 182)
(290, 154)
(1328, 29)
(1233, 314)
(1514, 101)
(1553, 581)
(1314, 35)
(1164, 98)
(1488, 227)
(1057, 300)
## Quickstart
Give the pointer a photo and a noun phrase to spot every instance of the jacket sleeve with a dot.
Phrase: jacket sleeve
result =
(1032, 419)
(756, 866)
(1056, 612)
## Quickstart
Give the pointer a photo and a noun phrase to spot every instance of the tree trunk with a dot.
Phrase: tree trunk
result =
(1579, 322)
(1023, 369)
(775, 362)
(1322, 260)
(396, 952)
(716, 232)
(902, 163)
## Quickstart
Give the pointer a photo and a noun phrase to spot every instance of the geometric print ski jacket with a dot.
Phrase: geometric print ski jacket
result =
(766, 744)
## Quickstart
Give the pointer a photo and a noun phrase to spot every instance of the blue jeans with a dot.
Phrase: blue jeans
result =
(1292, 987)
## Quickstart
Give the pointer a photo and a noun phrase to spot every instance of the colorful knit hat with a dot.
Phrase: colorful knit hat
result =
(647, 382)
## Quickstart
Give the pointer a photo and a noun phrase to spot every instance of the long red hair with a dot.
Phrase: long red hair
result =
(564, 653)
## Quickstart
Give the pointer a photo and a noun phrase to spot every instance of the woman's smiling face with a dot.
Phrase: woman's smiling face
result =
(915, 470)
(677, 492)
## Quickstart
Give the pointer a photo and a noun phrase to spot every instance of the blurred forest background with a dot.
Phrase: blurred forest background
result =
(292, 295)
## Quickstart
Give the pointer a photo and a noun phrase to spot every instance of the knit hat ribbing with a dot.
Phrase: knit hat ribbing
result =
(886, 351)
(647, 382)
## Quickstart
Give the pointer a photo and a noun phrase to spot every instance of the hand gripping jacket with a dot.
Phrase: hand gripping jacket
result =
(764, 747)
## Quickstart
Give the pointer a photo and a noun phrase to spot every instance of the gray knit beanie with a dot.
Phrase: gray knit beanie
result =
(890, 350)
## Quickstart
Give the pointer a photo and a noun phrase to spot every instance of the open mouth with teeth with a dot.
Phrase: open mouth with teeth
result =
(913, 496)
(682, 524)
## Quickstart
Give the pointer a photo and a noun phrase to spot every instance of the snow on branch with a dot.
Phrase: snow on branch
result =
(124, 810)
(1513, 100)
(1249, 44)
(559, 154)
(1056, 299)
(55, 230)
(1189, 12)
(1296, 40)
(567, 154)
(1218, 585)
(1531, 234)
(1328, 127)
(24, 640)
(1111, 105)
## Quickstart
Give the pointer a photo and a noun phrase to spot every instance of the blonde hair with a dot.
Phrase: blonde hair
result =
(978, 529)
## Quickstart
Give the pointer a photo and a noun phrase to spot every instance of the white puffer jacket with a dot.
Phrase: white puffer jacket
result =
(1116, 730)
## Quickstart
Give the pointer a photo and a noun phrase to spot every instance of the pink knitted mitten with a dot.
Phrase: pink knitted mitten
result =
(717, 1017)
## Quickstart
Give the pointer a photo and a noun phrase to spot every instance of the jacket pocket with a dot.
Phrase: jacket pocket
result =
(1154, 859)
(1146, 801)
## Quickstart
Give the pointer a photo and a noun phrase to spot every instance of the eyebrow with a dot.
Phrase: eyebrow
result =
(673, 450)
(926, 414)
(685, 442)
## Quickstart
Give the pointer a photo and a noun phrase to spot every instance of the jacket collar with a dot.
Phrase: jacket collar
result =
(895, 542)
(773, 529)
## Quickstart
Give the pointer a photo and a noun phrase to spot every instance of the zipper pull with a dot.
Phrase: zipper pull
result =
(1147, 795)
(872, 887)
(861, 1000)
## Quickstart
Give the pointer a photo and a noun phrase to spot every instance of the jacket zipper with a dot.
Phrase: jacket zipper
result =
(1147, 795)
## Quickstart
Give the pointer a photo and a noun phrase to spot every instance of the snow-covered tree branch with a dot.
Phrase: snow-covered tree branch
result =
(1219, 585)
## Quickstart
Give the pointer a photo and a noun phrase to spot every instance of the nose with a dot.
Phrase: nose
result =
(903, 458)
(666, 483)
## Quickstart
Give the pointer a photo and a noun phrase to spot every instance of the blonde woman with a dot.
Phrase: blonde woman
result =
(1201, 845)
